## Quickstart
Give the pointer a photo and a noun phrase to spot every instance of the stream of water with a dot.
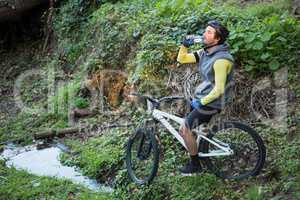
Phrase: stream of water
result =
(45, 162)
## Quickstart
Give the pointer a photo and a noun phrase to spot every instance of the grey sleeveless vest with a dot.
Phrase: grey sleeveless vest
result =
(205, 66)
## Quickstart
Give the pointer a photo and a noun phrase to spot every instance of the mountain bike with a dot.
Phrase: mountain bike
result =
(229, 149)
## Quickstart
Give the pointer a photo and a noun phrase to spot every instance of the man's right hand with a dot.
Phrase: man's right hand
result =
(187, 42)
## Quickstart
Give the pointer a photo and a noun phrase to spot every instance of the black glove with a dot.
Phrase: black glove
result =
(187, 42)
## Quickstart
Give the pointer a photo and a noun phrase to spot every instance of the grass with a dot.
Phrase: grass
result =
(16, 184)
(98, 157)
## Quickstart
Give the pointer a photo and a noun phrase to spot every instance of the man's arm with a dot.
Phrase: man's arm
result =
(185, 57)
(221, 67)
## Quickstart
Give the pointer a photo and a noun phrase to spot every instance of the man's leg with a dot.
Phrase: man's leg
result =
(189, 140)
(194, 118)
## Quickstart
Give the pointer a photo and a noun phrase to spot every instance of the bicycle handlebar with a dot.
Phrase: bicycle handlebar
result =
(167, 98)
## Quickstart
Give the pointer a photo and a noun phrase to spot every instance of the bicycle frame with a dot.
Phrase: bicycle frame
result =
(223, 148)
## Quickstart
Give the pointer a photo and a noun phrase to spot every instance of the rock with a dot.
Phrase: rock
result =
(296, 10)
(281, 77)
(63, 147)
(42, 145)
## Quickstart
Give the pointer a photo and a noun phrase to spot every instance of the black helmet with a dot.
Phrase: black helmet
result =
(221, 31)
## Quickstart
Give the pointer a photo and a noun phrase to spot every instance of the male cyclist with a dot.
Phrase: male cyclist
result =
(215, 65)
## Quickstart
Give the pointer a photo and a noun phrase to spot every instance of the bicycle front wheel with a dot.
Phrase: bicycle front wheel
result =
(142, 156)
(248, 148)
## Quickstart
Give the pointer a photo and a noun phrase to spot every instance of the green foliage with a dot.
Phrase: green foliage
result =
(147, 39)
(261, 40)
(71, 17)
(169, 185)
(34, 90)
(203, 187)
(154, 52)
(59, 124)
(98, 157)
(72, 52)
(174, 8)
(266, 9)
(69, 25)
(254, 193)
(81, 102)
(282, 161)
(24, 125)
(65, 97)
(290, 158)
(159, 190)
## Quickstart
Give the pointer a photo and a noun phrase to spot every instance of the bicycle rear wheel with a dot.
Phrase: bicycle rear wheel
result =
(142, 156)
(248, 156)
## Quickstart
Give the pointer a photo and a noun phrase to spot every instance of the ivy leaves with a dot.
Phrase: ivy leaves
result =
(263, 45)
(274, 65)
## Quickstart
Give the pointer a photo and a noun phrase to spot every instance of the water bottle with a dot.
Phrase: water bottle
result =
(196, 38)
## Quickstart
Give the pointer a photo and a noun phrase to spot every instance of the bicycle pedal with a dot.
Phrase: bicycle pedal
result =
(182, 174)
(191, 174)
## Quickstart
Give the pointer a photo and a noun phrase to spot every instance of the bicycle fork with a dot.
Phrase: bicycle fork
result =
(144, 149)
